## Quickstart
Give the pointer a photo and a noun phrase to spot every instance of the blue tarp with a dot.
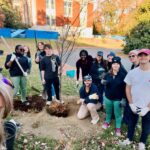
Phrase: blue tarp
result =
(28, 33)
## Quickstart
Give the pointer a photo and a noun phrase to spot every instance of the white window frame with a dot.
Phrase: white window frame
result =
(51, 12)
(68, 4)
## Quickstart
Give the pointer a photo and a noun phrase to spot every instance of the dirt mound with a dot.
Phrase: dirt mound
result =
(35, 103)
(58, 109)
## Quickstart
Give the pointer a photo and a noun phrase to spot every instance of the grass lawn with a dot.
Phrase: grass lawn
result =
(105, 140)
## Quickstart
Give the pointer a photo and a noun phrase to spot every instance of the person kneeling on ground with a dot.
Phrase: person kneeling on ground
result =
(89, 97)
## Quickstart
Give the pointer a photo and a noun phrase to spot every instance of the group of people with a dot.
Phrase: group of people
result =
(107, 84)
(19, 65)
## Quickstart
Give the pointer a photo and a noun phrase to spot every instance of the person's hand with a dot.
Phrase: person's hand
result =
(143, 111)
(37, 59)
(133, 108)
(43, 81)
(13, 57)
(93, 96)
(25, 74)
(104, 82)
(77, 83)
(81, 101)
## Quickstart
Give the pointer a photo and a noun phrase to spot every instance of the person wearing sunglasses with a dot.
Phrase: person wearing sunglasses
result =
(18, 77)
(138, 95)
(6, 105)
(89, 97)
(133, 58)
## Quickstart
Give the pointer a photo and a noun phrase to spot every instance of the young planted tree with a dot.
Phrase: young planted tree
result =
(66, 43)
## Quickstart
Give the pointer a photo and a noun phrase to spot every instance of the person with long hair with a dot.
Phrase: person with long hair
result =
(114, 92)
(97, 72)
(27, 53)
(6, 105)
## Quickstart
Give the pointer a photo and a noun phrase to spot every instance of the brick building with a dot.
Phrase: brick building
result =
(53, 14)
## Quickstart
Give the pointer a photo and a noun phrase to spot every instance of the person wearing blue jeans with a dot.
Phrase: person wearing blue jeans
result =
(138, 95)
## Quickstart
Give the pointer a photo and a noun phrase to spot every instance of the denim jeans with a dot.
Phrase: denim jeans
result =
(48, 85)
(132, 125)
(20, 82)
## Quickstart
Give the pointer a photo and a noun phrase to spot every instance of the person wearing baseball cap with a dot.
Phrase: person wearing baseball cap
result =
(110, 56)
(89, 97)
(98, 69)
(138, 95)
(133, 58)
(114, 92)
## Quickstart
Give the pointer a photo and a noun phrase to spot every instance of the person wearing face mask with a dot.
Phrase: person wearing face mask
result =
(84, 64)
(89, 97)
(49, 70)
(18, 76)
(114, 92)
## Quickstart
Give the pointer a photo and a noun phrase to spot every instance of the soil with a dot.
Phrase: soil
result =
(42, 124)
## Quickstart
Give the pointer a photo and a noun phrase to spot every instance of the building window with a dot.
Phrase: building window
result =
(50, 4)
(68, 8)
(50, 12)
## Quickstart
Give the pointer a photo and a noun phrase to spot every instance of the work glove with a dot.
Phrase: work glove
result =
(25, 74)
(143, 111)
(43, 81)
(13, 57)
(133, 108)
(104, 82)
(94, 96)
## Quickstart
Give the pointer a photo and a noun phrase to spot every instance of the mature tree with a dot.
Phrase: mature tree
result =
(12, 16)
(116, 16)
(138, 38)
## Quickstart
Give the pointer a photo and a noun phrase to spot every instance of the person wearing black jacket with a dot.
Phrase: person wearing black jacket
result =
(49, 70)
(114, 92)
(19, 79)
(97, 72)
(84, 63)
(89, 97)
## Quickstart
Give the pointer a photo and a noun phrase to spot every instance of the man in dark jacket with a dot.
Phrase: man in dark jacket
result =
(49, 69)
(17, 75)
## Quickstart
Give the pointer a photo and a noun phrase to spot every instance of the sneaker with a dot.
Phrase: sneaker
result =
(118, 131)
(62, 101)
(26, 103)
(48, 103)
(58, 101)
(95, 121)
(105, 125)
(125, 142)
(141, 146)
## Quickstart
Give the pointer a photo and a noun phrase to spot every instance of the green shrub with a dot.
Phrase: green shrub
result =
(138, 38)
